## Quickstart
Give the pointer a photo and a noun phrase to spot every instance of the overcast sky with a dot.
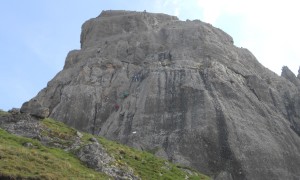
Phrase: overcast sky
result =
(35, 35)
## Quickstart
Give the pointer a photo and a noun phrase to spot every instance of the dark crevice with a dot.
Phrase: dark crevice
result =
(236, 72)
(253, 91)
(127, 127)
(159, 85)
(127, 71)
(60, 91)
(291, 113)
(273, 99)
(9, 177)
(112, 75)
(97, 105)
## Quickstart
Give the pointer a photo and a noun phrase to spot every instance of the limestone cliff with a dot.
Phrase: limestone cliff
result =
(182, 90)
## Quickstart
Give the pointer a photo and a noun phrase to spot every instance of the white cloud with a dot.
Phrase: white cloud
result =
(177, 11)
(169, 6)
(270, 29)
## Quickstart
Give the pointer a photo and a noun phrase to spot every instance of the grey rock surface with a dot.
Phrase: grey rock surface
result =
(289, 75)
(34, 108)
(14, 111)
(95, 156)
(183, 90)
(20, 124)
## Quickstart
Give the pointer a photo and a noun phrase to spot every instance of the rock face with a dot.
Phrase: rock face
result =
(21, 125)
(289, 75)
(180, 89)
(34, 108)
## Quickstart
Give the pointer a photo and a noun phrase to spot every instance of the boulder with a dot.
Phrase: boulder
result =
(28, 144)
(14, 111)
(34, 108)
(95, 157)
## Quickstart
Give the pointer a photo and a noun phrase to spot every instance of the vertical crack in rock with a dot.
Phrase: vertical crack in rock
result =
(55, 101)
(127, 70)
(184, 98)
(253, 91)
(228, 160)
(97, 106)
(273, 99)
(291, 113)
(112, 75)
(128, 126)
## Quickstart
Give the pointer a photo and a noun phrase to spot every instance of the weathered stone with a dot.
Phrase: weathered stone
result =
(224, 175)
(28, 145)
(21, 124)
(289, 75)
(93, 139)
(95, 156)
(79, 134)
(192, 94)
(34, 108)
(14, 111)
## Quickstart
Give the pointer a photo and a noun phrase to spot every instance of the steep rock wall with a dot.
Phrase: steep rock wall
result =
(182, 90)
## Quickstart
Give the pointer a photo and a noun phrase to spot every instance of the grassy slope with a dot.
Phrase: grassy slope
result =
(39, 162)
(146, 165)
(52, 163)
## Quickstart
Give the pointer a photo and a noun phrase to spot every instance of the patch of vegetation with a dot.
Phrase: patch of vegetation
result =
(63, 133)
(146, 165)
(86, 138)
(38, 161)
(154, 150)
(58, 129)
(2, 112)
(59, 132)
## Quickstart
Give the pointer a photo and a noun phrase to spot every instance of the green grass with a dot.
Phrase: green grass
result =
(3, 112)
(58, 129)
(39, 162)
(62, 133)
(145, 164)
(52, 163)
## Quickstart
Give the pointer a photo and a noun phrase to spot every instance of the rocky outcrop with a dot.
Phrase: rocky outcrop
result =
(289, 75)
(180, 89)
(20, 124)
(34, 108)
(95, 156)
